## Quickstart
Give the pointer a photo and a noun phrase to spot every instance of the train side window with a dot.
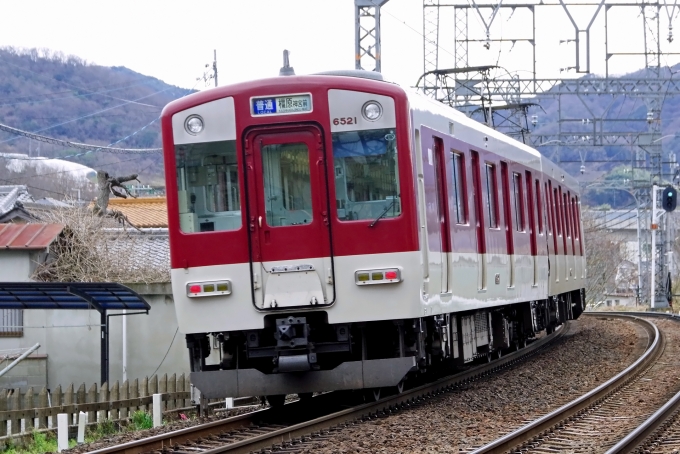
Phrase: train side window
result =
(556, 209)
(548, 219)
(518, 197)
(460, 198)
(366, 174)
(570, 207)
(208, 186)
(567, 216)
(491, 195)
(539, 208)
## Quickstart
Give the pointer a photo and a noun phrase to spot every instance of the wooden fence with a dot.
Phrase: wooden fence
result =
(22, 413)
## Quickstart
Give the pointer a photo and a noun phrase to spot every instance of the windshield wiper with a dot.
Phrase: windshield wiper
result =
(382, 215)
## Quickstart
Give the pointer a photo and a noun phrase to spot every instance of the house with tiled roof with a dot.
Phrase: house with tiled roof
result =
(70, 348)
(139, 259)
(17, 205)
(143, 212)
(23, 246)
(12, 200)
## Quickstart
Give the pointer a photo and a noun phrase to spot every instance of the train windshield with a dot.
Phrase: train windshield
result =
(207, 181)
(366, 174)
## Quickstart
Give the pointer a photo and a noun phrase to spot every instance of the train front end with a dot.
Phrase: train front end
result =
(293, 234)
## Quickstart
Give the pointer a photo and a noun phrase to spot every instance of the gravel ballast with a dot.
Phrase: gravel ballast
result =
(594, 351)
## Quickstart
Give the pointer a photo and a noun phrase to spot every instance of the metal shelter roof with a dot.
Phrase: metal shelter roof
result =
(69, 295)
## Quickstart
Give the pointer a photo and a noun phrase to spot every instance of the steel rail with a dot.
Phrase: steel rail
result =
(652, 424)
(291, 433)
(169, 439)
(537, 427)
(642, 433)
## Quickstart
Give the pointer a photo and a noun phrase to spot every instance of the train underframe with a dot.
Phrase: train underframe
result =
(301, 353)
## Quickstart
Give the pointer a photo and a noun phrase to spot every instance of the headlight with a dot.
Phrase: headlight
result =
(193, 124)
(371, 111)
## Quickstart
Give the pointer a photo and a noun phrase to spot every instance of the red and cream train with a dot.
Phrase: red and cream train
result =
(334, 231)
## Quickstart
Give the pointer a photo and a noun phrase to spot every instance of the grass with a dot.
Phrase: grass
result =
(47, 442)
(141, 420)
(40, 444)
(101, 430)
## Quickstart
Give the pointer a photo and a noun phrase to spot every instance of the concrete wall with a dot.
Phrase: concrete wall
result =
(16, 266)
(31, 371)
(71, 341)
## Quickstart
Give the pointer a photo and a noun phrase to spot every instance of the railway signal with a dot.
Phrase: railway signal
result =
(669, 199)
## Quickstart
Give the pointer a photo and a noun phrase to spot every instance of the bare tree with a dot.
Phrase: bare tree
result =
(605, 253)
(112, 185)
(88, 251)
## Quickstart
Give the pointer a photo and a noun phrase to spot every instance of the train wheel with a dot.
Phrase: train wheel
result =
(400, 386)
(372, 394)
(276, 400)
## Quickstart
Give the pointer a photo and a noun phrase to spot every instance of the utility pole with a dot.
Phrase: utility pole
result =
(215, 65)
(653, 227)
(206, 72)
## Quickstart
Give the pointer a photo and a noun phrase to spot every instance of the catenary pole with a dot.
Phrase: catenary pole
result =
(215, 65)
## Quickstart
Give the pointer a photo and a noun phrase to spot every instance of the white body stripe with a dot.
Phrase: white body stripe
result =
(354, 303)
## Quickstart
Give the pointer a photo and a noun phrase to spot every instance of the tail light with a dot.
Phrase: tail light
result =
(380, 276)
(211, 288)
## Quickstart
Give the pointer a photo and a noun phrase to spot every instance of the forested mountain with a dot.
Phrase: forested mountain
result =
(65, 97)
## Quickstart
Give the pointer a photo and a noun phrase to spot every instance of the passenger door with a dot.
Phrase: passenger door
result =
(288, 218)
(436, 212)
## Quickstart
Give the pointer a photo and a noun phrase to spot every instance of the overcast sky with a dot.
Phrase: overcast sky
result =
(173, 40)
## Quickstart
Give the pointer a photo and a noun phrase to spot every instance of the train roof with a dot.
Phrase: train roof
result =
(281, 85)
(475, 133)
(440, 115)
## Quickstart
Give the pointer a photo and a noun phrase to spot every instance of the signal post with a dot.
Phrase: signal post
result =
(669, 201)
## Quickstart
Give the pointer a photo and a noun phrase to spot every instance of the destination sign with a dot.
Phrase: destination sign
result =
(281, 105)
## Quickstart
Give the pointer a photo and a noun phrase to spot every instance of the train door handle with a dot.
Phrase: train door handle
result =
(259, 221)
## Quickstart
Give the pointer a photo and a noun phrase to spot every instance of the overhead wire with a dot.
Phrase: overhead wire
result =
(40, 189)
(411, 28)
(607, 223)
(88, 115)
(82, 95)
(83, 146)
(70, 84)
(166, 353)
(98, 148)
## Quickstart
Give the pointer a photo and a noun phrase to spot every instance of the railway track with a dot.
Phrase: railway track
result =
(577, 426)
(287, 428)
(660, 433)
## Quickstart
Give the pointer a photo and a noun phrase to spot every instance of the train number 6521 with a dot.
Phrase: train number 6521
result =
(345, 121)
